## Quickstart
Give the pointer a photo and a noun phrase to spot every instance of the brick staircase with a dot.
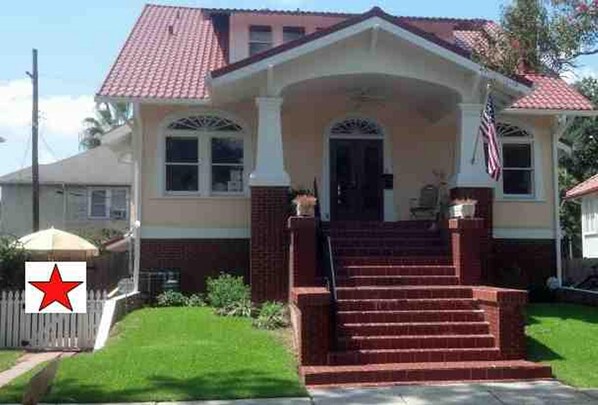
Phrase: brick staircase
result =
(401, 315)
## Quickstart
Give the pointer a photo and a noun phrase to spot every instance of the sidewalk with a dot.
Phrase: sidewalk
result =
(27, 362)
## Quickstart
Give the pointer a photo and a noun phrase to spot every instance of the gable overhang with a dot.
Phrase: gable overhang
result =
(543, 112)
(374, 21)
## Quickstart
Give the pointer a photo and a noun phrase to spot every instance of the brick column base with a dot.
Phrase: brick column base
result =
(484, 209)
(302, 261)
(504, 311)
(465, 245)
(268, 274)
(310, 316)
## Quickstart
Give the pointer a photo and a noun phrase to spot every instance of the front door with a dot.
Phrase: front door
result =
(356, 179)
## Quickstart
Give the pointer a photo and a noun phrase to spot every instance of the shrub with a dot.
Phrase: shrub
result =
(242, 308)
(272, 315)
(195, 300)
(226, 291)
(12, 263)
(171, 299)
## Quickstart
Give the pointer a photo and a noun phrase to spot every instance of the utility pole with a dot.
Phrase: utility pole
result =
(34, 138)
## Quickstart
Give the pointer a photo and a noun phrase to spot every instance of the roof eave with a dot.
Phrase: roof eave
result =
(548, 111)
(151, 100)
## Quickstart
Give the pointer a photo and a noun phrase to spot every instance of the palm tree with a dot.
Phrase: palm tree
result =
(107, 117)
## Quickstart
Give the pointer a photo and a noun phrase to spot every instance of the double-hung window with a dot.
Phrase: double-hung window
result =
(108, 203)
(204, 155)
(260, 39)
(518, 161)
(292, 33)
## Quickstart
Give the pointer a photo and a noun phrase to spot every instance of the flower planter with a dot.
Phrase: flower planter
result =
(463, 210)
(305, 210)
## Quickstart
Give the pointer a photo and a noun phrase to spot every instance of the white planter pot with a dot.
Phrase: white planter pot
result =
(466, 210)
(305, 210)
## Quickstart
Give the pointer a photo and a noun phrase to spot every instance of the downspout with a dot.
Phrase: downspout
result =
(137, 143)
(562, 124)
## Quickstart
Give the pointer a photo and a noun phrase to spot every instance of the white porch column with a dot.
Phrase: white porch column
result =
(468, 173)
(269, 167)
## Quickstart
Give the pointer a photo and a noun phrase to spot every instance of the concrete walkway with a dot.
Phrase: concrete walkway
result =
(528, 392)
(26, 363)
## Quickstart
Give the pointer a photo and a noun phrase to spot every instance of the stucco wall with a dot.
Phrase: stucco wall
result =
(70, 215)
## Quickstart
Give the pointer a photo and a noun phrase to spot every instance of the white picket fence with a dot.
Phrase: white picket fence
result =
(48, 331)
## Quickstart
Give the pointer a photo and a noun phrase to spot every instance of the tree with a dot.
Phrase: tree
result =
(107, 117)
(582, 135)
(540, 36)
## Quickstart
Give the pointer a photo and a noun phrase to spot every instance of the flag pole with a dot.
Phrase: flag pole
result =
(477, 138)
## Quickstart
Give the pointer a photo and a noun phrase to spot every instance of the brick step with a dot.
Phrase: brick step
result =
(413, 328)
(406, 304)
(388, 242)
(428, 372)
(382, 233)
(410, 316)
(404, 292)
(362, 281)
(442, 260)
(414, 355)
(404, 270)
(416, 342)
(400, 251)
(369, 225)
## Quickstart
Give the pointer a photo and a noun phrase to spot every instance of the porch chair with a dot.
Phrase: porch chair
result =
(426, 205)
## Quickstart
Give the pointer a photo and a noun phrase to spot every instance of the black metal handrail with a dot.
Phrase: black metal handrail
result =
(327, 268)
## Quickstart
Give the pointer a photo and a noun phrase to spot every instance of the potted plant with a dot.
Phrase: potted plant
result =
(463, 208)
(305, 205)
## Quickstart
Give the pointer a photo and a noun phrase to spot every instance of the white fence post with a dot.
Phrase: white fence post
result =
(45, 331)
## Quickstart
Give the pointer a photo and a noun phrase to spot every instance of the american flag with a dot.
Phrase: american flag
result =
(488, 131)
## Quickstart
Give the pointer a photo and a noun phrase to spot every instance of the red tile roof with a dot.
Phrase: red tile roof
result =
(587, 187)
(167, 55)
(172, 50)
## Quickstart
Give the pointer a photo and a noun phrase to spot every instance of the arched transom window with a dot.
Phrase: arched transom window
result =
(204, 154)
(518, 160)
(356, 127)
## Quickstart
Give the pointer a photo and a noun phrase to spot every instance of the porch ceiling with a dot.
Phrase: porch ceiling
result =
(429, 100)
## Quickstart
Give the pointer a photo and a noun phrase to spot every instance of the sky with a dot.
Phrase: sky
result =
(78, 41)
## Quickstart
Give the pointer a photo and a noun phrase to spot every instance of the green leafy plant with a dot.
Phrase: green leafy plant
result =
(171, 299)
(195, 300)
(226, 291)
(242, 308)
(12, 263)
(272, 315)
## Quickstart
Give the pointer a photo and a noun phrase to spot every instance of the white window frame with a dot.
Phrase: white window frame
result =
(204, 138)
(589, 209)
(108, 206)
(535, 165)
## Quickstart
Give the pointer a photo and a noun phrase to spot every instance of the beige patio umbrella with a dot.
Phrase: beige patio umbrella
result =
(58, 244)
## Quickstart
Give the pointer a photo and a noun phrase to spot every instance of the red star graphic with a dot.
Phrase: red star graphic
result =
(56, 290)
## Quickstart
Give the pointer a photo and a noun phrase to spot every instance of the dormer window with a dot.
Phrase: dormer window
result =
(292, 33)
(260, 39)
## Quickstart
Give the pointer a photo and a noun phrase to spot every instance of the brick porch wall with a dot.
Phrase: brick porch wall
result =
(522, 263)
(269, 276)
(197, 259)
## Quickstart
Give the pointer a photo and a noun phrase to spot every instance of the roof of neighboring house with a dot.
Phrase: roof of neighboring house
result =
(171, 52)
(95, 167)
(587, 187)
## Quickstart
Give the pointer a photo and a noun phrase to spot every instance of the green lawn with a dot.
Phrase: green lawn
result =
(165, 354)
(566, 337)
(8, 358)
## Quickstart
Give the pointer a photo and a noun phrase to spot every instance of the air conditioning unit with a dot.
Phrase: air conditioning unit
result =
(118, 214)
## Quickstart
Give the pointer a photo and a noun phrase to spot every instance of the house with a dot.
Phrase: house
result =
(233, 108)
(587, 192)
(86, 193)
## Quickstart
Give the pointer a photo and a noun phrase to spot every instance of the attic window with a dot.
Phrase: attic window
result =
(292, 33)
(260, 39)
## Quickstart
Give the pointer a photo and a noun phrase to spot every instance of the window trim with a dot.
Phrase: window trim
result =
(537, 193)
(205, 159)
(108, 206)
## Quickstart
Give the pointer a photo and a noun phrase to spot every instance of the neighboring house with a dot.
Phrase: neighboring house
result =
(587, 192)
(232, 108)
(85, 193)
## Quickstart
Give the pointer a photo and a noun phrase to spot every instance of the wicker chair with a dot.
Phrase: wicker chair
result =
(426, 205)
